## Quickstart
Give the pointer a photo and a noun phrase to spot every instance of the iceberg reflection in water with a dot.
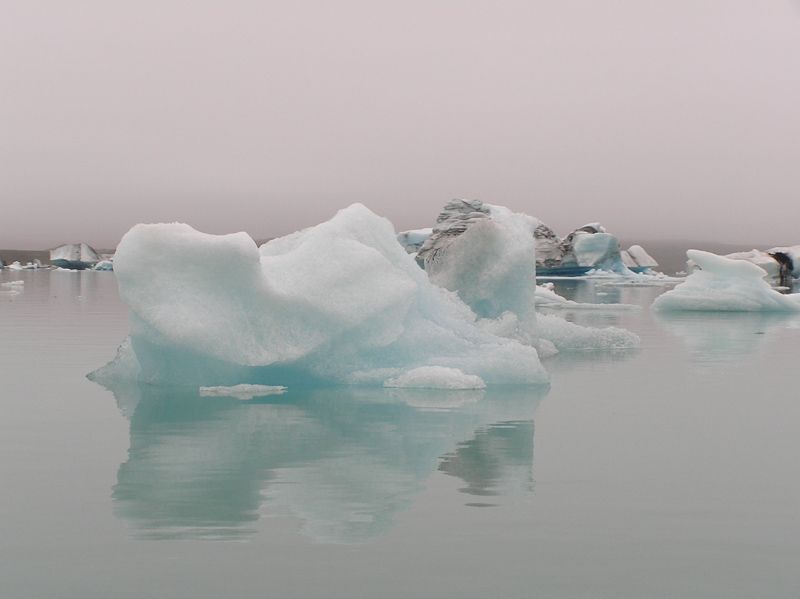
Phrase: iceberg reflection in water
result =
(345, 461)
(724, 336)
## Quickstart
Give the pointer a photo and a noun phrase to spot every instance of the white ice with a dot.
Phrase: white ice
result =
(725, 284)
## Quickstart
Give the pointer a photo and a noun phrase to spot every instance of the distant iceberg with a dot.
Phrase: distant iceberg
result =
(74, 256)
(725, 284)
(587, 248)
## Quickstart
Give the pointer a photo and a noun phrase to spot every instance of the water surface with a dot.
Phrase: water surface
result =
(670, 471)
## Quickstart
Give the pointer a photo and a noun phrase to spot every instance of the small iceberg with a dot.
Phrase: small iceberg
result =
(725, 284)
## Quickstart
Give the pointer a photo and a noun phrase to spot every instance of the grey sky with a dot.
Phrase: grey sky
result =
(661, 119)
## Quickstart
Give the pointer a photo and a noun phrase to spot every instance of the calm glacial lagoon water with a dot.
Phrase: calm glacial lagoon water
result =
(670, 471)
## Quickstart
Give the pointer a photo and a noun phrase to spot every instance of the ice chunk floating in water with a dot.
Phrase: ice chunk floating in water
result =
(242, 391)
(725, 284)
(339, 302)
(436, 377)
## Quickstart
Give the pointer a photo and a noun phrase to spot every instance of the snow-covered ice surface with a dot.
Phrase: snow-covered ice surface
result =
(725, 284)
(435, 377)
(242, 391)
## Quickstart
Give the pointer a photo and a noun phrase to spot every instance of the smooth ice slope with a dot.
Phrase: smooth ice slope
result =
(725, 284)
(340, 302)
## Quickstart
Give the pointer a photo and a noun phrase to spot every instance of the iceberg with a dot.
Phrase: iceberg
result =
(486, 254)
(587, 248)
(74, 256)
(636, 258)
(339, 302)
(725, 284)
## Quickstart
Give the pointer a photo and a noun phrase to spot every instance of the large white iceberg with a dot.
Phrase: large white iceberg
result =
(338, 302)
(725, 284)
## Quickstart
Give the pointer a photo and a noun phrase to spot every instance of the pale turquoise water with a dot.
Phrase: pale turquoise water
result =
(671, 471)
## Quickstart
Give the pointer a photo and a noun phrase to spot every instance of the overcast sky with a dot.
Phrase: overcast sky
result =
(659, 118)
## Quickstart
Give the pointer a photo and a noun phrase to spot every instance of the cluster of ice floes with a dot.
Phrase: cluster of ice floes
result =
(340, 302)
(725, 284)
(30, 265)
(589, 247)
